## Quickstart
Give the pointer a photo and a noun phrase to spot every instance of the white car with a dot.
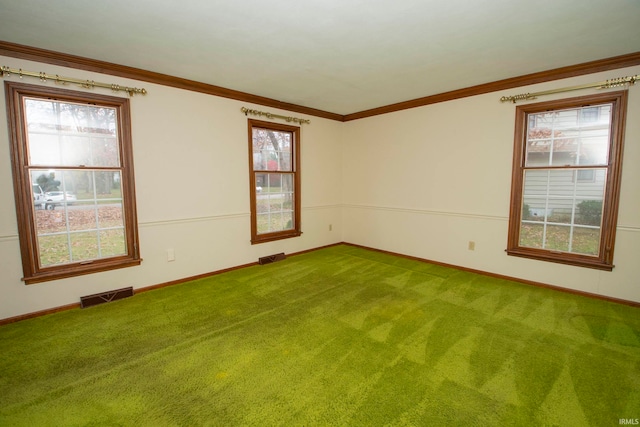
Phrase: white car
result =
(56, 198)
(38, 196)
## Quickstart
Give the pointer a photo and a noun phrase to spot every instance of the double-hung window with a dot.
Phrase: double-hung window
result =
(566, 180)
(73, 175)
(274, 164)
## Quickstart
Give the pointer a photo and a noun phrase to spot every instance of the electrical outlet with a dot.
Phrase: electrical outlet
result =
(330, 227)
(472, 245)
(171, 255)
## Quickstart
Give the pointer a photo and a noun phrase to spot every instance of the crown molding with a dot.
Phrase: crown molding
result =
(591, 67)
(72, 61)
(78, 62)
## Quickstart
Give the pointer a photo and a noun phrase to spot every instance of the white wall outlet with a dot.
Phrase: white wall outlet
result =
(171, 255)
(330, 227)
(472, 245)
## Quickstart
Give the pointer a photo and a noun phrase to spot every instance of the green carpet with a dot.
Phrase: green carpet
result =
(341, 336)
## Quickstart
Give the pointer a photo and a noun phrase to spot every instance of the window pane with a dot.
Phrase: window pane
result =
(263, 223)
(53, 250)
(68, 134)
(262, 203)
(271, 150)
(78, 186)
(534, 209)
(589, 212)
(564, 150)
(112, 243)
(570, 137)
(287, 220)
(531, 235)
(287, 193)
(287, 182)
(586, 175)
(557, 238)
(110, 215)
(83, 216)
(586, 240)
(560, 213)
(535, 191)
(84, 246)
(538, 152)
(275, 202)
(545, 189)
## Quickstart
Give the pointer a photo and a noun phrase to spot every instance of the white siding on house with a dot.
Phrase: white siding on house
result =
(559, 190)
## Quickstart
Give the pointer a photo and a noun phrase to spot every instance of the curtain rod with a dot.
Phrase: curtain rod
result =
(607, 84)
(247, 111)
(87, 84)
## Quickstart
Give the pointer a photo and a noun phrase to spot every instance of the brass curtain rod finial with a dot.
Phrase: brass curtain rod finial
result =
(519, 97)
(268, 115)
(620, 81)
(607, 84)
(87, 84)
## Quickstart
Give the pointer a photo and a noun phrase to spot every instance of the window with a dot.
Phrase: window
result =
(274, 163)
(586, 175)
(73, 181)
(566, 180)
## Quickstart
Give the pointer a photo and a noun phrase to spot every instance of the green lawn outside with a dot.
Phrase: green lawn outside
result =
(80, 234)
(585, 240)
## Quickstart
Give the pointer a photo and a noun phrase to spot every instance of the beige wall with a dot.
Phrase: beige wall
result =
(424, 182)
(192, 185)
(421, 182)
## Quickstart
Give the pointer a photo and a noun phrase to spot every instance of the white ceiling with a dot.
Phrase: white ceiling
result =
(340, 56)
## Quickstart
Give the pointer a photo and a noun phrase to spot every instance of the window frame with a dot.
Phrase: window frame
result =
(33, 272)
(604, 259)
(295, 172)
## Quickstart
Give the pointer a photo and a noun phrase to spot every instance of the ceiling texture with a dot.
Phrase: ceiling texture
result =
(338, 56)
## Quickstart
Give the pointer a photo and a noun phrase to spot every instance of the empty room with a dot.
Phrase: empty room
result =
(320, 213)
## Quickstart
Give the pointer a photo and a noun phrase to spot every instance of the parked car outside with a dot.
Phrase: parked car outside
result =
(57, 198)
(38, 196)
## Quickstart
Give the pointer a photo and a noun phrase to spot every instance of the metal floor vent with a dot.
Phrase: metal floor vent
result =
(95, 299)
(271, 258)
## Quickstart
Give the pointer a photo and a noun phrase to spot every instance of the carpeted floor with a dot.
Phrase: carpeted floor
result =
(341, 336)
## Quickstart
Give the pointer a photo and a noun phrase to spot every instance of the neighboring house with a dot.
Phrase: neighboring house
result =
(572, 138)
